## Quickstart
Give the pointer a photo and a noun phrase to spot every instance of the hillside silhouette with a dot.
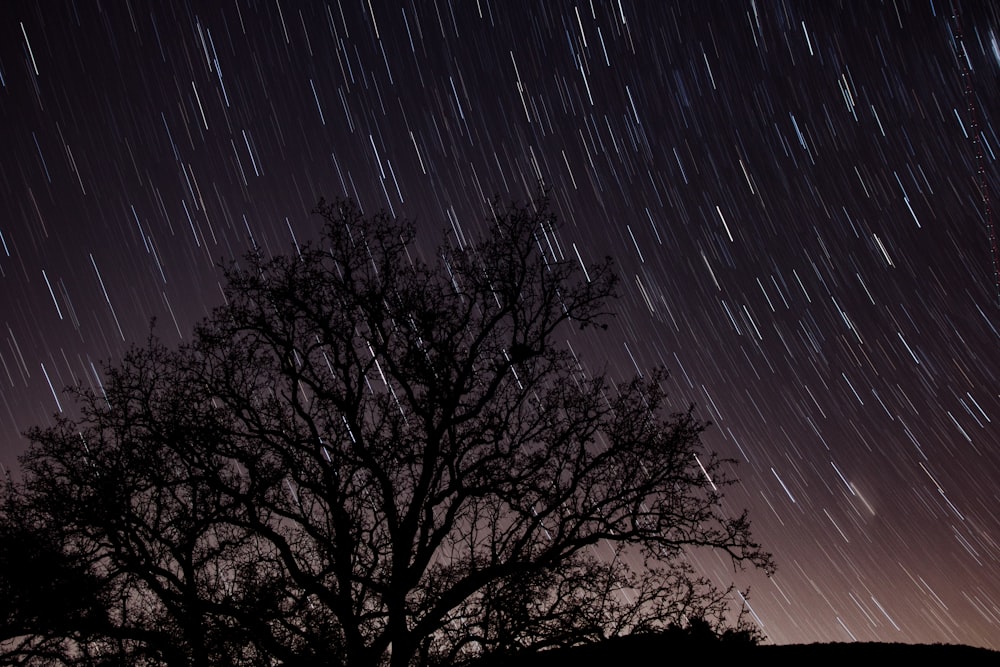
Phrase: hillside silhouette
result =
(657, 650)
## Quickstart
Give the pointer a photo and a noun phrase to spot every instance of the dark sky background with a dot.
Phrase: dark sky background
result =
(787, 188)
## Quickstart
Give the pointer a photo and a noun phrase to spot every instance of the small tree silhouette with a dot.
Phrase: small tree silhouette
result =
(364, 458)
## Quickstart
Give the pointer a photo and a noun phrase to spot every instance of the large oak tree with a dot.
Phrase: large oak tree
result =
(368, 458)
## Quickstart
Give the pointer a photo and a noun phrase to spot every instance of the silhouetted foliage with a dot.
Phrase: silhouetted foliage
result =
(364, 458)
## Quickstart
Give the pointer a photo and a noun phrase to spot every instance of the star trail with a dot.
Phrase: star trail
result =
(792, 193)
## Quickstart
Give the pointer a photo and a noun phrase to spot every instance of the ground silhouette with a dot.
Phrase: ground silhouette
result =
(669, 650)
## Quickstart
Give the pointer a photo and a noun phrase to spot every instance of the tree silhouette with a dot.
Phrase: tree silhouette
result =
(367, 458)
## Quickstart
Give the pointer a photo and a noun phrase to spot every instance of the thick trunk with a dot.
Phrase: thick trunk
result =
(402, 654)
(403, 647)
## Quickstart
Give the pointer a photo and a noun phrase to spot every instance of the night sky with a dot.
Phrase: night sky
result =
(788, 190)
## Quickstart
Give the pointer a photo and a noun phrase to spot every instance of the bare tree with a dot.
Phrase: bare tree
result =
(366, 458)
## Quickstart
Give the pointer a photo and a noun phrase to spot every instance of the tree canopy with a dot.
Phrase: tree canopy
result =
(362, 458)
